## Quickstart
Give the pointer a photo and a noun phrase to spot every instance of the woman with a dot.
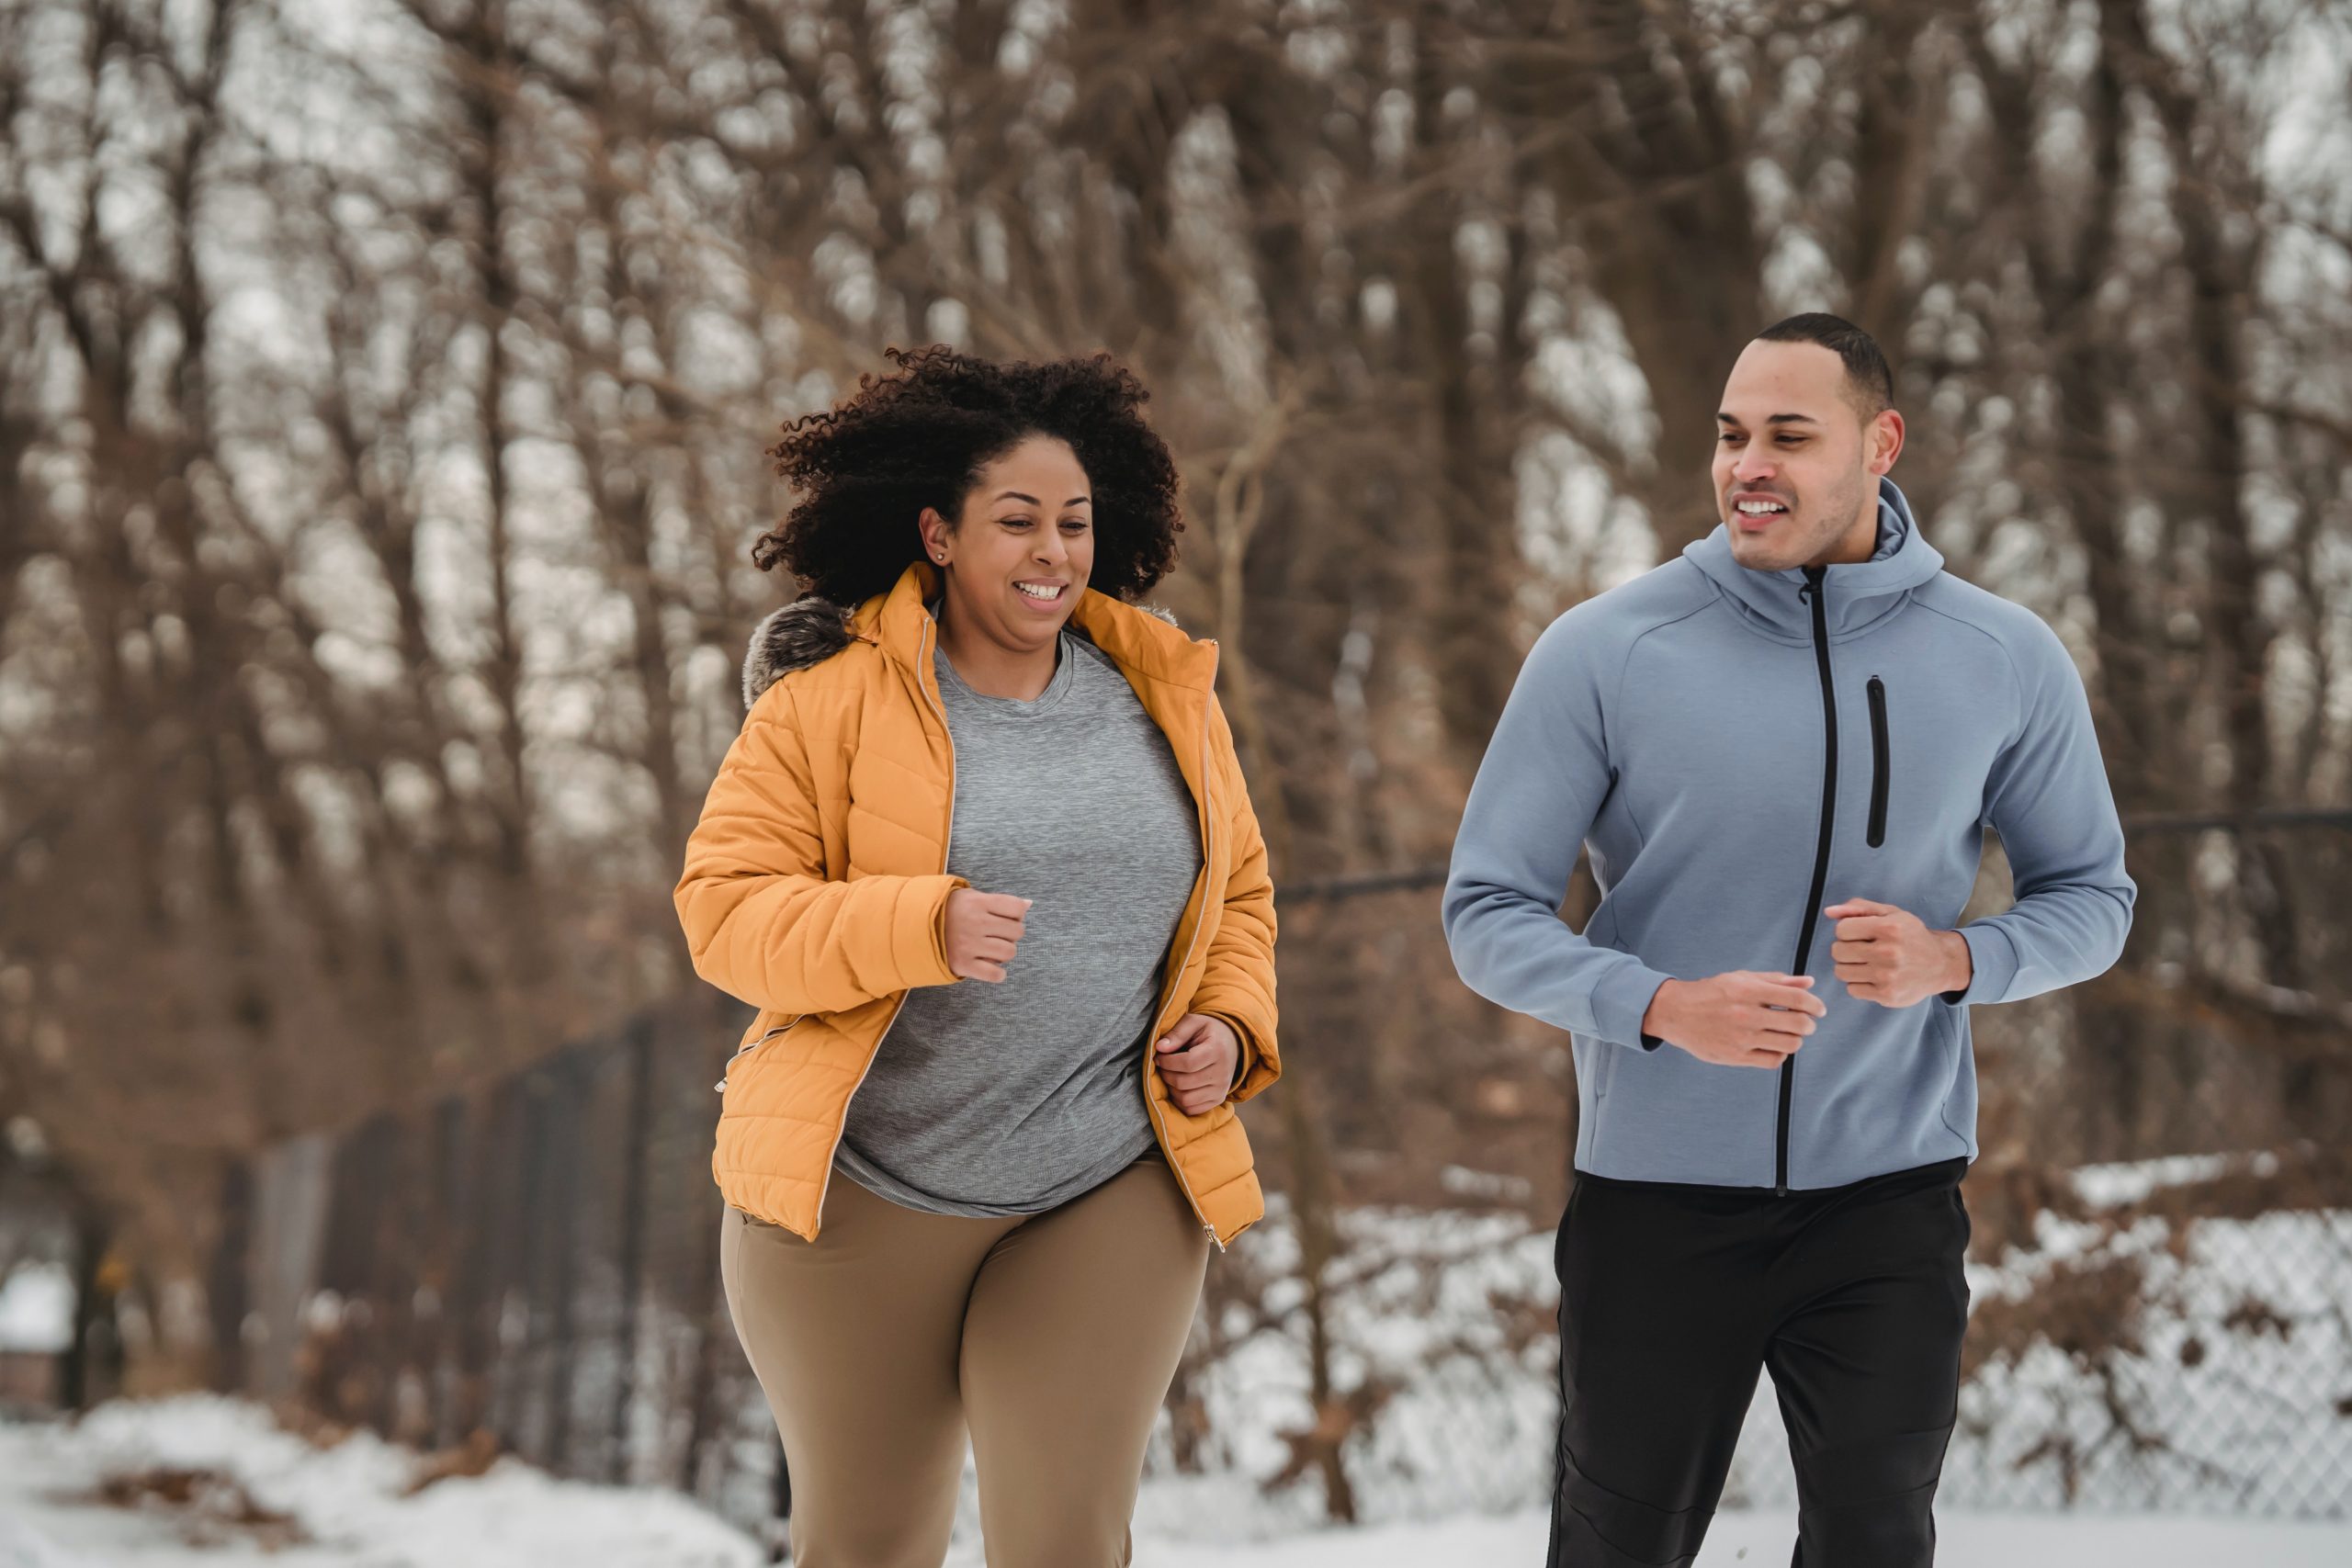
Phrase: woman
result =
(982, 858)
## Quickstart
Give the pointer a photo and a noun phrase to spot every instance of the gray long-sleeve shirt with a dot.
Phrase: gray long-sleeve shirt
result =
(1008, 1099)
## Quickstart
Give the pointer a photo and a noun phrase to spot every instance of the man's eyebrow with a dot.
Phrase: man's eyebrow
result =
(1777, 419)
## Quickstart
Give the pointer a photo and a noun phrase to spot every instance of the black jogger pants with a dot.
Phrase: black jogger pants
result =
(1673, 1296)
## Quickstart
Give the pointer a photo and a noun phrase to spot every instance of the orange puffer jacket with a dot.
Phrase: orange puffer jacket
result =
(816, 887)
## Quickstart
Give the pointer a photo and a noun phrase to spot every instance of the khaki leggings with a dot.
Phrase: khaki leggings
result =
(1052, 1337)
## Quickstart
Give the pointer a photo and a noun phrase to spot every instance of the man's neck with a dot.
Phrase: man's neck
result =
(1859, 543)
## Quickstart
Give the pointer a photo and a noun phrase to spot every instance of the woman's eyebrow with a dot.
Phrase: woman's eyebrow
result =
(1016, 495)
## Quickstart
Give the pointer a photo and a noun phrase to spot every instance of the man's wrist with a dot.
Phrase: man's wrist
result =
(1653, 1016)
(1960, 964)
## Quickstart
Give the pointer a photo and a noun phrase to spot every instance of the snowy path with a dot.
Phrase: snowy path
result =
(1739, 1539)
(347, 1499)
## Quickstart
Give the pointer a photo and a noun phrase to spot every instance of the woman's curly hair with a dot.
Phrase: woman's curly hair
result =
(919, 436)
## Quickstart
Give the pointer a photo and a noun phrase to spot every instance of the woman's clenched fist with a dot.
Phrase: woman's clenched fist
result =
(983, 932)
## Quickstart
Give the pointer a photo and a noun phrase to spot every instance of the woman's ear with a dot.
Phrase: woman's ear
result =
(935, 535)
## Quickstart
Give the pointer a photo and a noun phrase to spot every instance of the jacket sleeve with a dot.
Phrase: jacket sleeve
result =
(1538, 790)
(763, 921)
(1237, 981)
(2048, 798)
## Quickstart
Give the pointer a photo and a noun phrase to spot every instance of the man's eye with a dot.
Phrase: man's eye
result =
(1727, 438)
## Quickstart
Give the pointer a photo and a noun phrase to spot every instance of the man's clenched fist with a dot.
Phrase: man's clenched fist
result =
(1743, 1018)
(1893, 958)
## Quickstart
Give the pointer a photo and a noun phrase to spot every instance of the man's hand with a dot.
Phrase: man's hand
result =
(1743, 1018)
(1196, 1061)
(983, 932)
(1893, 958)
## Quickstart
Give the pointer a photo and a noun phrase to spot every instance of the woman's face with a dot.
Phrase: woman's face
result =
(1021, 554)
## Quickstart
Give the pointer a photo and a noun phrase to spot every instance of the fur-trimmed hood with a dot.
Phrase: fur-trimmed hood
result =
(807, 631)
(810, 630)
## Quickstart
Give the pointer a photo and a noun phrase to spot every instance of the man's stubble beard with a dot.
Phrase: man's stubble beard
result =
(1844, 505)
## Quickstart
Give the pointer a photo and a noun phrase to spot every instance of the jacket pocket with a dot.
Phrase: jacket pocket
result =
(720, 1086)
(1604, 1065)
(1879, 764)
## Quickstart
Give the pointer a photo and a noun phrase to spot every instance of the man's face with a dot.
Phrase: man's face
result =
(1796, 465)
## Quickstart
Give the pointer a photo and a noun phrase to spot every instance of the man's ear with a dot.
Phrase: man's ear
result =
(1882, 442)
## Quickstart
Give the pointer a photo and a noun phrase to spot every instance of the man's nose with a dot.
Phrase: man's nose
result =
(1751, 467)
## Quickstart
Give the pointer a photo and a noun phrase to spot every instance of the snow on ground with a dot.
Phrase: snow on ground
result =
(1964, 1540)
(2243, 1370)
(347, 1500)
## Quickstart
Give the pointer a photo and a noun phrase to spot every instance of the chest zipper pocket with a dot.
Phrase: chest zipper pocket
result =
(1879, 764)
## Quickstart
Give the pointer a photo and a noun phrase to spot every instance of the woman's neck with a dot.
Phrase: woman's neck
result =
(993, 670)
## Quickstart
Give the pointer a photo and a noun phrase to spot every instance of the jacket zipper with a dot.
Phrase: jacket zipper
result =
(1879, 765)
(1812, 593)
(1208, 821)
(946, 842)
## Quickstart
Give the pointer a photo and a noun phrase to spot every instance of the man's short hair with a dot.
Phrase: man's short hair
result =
(1868, 381)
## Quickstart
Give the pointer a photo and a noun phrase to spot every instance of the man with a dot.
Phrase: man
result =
(1783, 750)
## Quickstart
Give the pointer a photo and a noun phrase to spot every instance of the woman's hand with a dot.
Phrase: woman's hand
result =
(1197, 1060)
(983, 932)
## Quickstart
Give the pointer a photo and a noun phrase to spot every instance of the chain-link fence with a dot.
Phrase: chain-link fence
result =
(530, 1269)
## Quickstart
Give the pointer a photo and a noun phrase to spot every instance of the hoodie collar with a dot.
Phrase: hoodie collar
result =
(1857, 594)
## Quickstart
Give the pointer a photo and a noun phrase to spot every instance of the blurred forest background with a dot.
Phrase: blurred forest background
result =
(383, 389)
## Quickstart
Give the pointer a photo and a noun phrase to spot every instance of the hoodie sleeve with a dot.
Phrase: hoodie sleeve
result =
(1539, 788)
(763, 921)
(2048, 799)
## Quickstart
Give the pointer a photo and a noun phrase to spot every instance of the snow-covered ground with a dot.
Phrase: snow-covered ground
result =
(2237, 1361)
(345, 1508)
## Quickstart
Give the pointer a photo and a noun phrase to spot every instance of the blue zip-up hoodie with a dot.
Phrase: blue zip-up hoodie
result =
(1740, 751)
